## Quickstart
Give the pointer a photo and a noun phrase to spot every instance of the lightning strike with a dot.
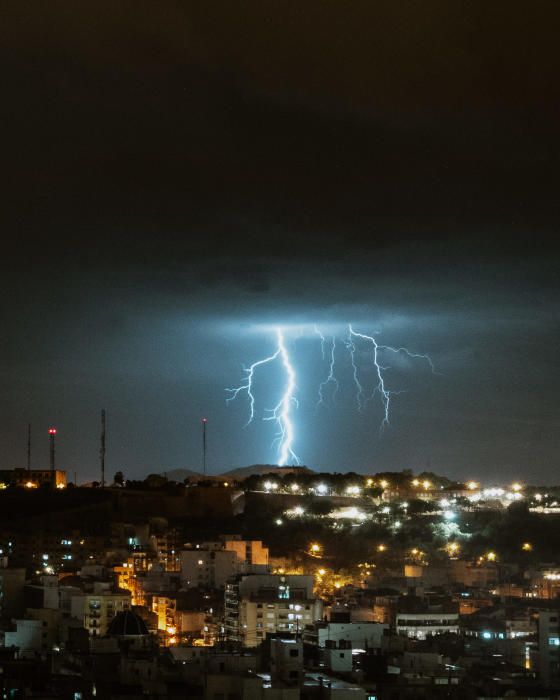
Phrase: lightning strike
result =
(331, 379)
(248, 386)
(323, 340)
(353, 341)
(281, 413)
(380, 387)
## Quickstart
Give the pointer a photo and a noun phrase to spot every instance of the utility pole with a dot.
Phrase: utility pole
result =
(28, 446)
(204, 422)
(102, 449)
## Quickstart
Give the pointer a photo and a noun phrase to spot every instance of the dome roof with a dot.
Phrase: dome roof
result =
(127, 624)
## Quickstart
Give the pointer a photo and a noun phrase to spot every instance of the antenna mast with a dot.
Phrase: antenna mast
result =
(102, 449)
(204, 422)
(28, 446)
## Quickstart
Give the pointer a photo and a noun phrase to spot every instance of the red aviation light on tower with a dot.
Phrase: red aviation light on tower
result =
(52, 431)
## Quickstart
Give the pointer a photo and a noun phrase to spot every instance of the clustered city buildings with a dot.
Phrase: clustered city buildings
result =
(149, 590)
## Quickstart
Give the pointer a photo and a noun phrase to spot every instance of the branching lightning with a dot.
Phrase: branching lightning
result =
(354, 342)
(281, 413)
(380, 386)
(331, 379)
(248, 386)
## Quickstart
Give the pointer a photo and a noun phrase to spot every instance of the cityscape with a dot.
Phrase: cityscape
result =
(279, 375)
(277, 580)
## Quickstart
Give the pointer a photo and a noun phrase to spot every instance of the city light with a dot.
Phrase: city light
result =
(472, 485)
(516, 487)
(381, 548)
(527, 547)
(315, 549)
(491, 556)
(452, 548)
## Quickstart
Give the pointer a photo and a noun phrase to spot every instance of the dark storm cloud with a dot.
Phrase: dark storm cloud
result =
(173, 169)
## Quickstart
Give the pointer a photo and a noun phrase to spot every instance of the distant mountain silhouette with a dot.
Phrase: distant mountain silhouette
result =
(244, 472)
(239, 473)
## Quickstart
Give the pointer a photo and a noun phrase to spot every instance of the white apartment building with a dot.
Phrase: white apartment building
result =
(421, 619)
(261, 604)
(360, 635)
(211, 564)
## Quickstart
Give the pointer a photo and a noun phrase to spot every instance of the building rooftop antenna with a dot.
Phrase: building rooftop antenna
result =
(52, 436)
(28, 446)
(204, 423)
(102, 449)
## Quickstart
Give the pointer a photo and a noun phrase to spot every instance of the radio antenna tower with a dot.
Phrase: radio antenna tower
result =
(28, 446)
(102, 449)
(52, 436)
(204, 422)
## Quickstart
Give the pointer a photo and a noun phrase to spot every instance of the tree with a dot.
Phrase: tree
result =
(119, 479)
(155, 481)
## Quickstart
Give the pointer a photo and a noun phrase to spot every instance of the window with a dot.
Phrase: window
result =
(554, 641)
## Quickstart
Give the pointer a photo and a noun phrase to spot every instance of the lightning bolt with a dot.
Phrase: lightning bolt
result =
(380, 387)
(323, 340)
(281, 413)
(248, 386)
(331, 379)
(412, 355)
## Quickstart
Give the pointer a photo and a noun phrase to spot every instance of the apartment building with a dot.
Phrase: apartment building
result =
(261, 604)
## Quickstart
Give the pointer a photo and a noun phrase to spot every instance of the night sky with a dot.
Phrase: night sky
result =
(180, 178)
